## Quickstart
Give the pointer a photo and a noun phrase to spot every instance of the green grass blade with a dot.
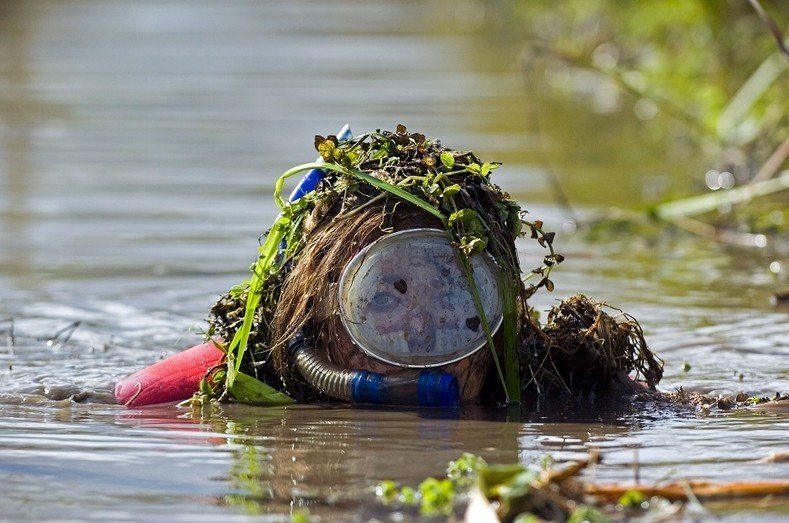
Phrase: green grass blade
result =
(249, 390)
(263, 266)
(466, 264)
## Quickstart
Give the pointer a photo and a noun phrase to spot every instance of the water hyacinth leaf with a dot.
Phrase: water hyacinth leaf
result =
(462, 216)
(447, 159)
(249, 390)
(451, 190)
(472, 245)
(549, 236)
(326, 147)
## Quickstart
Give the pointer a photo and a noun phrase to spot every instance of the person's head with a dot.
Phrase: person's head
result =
(367, 304)
(401, 308)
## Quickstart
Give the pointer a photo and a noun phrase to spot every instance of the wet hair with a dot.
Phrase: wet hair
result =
(581, 348)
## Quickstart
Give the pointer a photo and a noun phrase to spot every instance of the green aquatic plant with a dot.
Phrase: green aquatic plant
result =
(464, 470)
(516, 492)
(451, 186)
(435, 496)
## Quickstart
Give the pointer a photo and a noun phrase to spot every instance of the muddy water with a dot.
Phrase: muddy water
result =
(139, 146)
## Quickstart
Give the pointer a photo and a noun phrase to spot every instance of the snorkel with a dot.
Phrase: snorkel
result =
(427, 388)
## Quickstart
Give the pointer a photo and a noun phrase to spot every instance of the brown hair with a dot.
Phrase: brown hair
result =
(309, 298)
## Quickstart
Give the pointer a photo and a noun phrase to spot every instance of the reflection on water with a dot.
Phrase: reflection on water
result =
(244, 460)
(138, 145)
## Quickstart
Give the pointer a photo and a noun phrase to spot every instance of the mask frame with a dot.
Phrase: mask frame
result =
(374, 304)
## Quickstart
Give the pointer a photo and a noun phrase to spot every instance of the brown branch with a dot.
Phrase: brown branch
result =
(773, 163)
(700, 489)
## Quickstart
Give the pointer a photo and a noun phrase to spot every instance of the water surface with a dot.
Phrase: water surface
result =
(139, 143)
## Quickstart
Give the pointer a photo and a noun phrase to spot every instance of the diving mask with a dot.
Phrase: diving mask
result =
(405, 300)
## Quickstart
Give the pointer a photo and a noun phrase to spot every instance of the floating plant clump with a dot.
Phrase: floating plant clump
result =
(374, 184)
(587, 345)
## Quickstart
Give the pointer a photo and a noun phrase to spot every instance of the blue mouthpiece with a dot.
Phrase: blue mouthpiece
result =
(438, 389)
(425, 389)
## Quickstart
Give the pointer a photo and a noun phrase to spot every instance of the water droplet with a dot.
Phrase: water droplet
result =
(712, 179)
(726, 180)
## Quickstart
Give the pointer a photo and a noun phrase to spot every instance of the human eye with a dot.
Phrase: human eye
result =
(383, 301)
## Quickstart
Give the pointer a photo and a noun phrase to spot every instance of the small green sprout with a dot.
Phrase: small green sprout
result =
(386, 491)
(437, 497)
(447, 159)
(587, 514)
(547, 462)
(301, 515)
(632, 498)
(464, 470)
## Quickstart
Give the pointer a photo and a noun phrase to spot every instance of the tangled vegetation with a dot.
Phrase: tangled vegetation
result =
(473, 490)
(585, 349)
(369, 180)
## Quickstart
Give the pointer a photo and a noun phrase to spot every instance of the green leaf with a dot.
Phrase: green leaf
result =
(464, 262)
(433, 189)
(326, 149)
(408, 496)
(632, 498)
(587, 514)
(472, 245)
(485, 169)
(463, 216)
(205, 388)
(393, 189)
(249, 390)
(437, 497)
(447, 159)
(386, 492)
(451, 190)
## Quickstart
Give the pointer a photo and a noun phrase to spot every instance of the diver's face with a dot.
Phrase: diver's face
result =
(406, 302)
(413, 305)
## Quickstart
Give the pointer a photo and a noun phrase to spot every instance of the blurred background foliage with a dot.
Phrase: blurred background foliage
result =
(683, 95)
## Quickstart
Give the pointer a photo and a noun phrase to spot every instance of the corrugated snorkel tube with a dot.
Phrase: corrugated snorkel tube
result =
(427, 388)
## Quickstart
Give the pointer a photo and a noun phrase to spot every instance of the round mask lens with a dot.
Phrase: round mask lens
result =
(405, 300)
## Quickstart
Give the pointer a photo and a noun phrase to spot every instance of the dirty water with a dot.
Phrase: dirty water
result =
(140, 142)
